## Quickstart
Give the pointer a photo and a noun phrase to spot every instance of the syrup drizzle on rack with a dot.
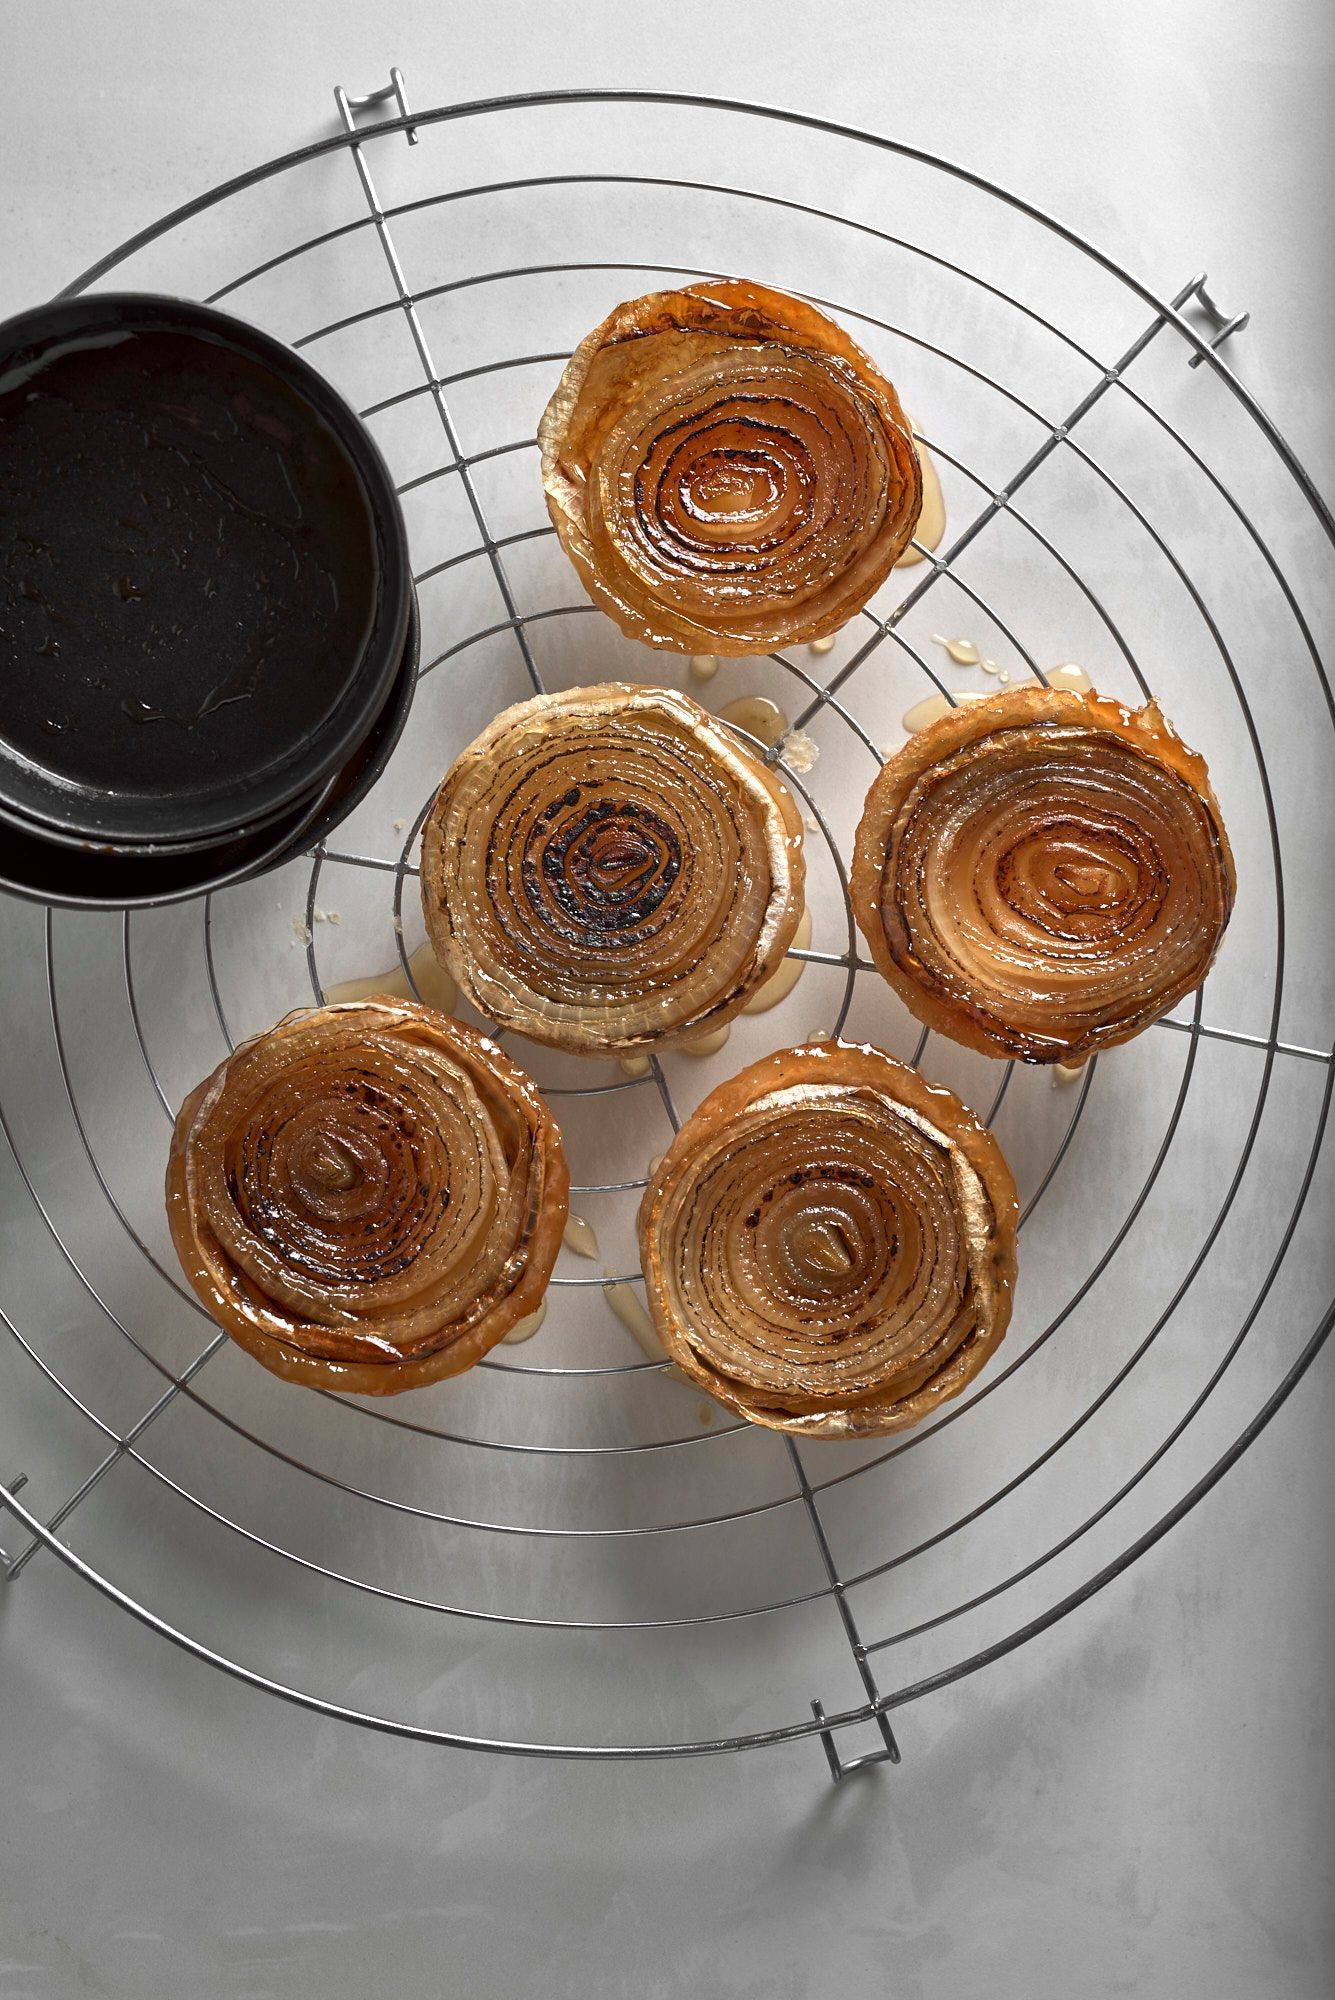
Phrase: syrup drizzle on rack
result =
(424, 971)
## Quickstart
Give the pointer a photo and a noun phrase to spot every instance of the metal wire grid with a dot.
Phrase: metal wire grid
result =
(805, 1494)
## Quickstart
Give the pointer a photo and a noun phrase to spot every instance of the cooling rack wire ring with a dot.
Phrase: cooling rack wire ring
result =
(804, 1498)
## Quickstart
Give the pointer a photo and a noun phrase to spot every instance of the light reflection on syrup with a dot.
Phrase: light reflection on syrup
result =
(931, 709)
(758, 716)
(962, 651)
(580, 1237)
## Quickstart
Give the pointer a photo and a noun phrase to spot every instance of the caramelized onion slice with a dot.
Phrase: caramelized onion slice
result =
(1042, 874)
(727, 471)
(609, 868)
(829, 1243)
(368, 1197)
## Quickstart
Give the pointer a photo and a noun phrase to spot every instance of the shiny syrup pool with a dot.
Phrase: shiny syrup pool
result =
(188, 565)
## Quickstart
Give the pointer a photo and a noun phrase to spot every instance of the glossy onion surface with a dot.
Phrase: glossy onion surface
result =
(727, 471)
(609, 868)
(1042, 874)
(829, 1243)
(367, 1197)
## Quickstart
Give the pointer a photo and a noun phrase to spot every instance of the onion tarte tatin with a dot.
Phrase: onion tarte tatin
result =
(368, 1197)
(829, 1243)
(610, 868)
(1043, 873)
(727, 470)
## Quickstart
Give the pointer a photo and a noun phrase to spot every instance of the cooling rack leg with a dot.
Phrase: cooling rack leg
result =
(1228, 324)
(15, 1485)
(391, 92)
(889, 1751)
(841, 1768)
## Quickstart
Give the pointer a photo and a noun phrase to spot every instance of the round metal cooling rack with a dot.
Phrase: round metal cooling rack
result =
(751, 1580)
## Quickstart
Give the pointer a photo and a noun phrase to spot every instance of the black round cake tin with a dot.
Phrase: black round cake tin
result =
(207, 620)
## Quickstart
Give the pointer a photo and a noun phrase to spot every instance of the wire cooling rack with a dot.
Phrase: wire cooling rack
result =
(567, 1552)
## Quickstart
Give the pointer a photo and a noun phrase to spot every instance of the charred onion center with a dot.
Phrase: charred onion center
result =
(606, 863)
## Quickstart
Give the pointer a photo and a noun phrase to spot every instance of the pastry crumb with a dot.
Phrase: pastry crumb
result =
(799, 752)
